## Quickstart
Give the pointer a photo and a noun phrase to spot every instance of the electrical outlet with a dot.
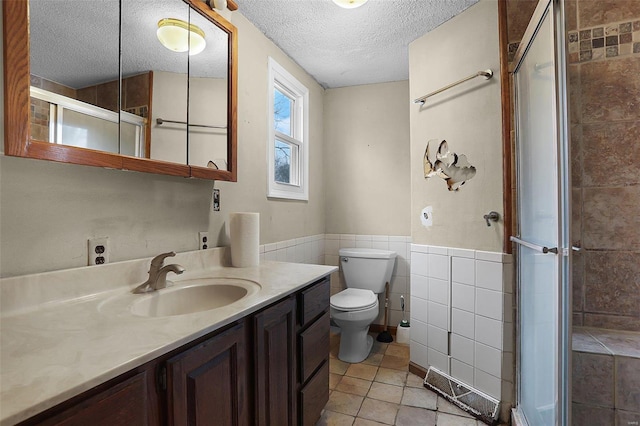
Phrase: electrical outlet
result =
(204, 240)
(216, 200)
(98, 251)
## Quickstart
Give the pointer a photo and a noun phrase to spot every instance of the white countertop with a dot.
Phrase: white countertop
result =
(60, 348)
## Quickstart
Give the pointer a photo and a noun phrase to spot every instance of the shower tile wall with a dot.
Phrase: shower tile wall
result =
(604, 79)
(462, 316)
(604, 108)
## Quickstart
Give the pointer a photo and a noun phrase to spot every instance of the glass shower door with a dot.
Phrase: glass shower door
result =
(542, 221)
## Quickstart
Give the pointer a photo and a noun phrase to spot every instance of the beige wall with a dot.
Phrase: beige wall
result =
(279, 220)
(469, 118)
(366, 133)
(49, 210)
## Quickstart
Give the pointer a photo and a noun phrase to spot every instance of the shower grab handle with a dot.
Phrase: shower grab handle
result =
(541, 249)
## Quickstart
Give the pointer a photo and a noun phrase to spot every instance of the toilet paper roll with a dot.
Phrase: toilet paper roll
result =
(245, 239)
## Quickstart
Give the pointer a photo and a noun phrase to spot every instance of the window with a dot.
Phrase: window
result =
(288, 135)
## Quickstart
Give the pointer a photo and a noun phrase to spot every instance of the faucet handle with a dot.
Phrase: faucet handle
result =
(157, 261)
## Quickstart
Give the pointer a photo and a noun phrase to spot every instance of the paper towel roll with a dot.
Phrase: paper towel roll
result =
(245, 239)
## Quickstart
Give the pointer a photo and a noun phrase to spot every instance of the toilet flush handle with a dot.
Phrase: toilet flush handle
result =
(345, 259)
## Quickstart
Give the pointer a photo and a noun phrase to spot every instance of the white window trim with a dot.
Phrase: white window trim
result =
(300, 115)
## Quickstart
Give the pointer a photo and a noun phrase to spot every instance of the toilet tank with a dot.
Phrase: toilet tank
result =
(366, 268)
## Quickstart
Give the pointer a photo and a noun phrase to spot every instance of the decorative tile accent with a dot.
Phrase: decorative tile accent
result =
(627, 27)
(603, 42)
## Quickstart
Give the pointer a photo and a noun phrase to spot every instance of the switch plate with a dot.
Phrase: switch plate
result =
(203, 237)
(98, 251)
(216, 200)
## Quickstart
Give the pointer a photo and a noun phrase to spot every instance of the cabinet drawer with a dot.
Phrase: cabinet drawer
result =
(314, 301)
(314, 396)
(313, 346)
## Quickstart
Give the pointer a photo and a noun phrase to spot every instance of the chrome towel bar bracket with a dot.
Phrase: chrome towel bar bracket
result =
(487, 74)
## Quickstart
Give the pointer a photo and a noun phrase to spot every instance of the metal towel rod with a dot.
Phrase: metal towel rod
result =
(487, 74)
(161, 121)
(541, 249)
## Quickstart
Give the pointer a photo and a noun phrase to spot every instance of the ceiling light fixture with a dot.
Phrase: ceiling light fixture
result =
(349, 4)
(179, 36)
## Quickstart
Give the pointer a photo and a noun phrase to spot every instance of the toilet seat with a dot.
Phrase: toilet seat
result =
(354, 299)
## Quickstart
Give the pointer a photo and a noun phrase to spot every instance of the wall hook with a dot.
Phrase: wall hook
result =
(491, 216)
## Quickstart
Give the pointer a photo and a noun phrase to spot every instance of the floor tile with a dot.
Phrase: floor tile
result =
(354, 385)
(395, 362)
(414, 416)
(373, 359)
(445, 406)
(334, 379)
(422, 398)
(392, 377)
(331, 418)
(415, 381)
(378, 347)
(364, 422)
(445, 419)
(344, 403)
(362, 371)
(385, 392)
(379, 411)
(401, 351)
(338, 367)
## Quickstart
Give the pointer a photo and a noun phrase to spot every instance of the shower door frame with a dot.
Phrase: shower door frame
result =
(554, 9)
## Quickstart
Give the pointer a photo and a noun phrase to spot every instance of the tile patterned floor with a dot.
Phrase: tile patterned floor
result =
(381, 391)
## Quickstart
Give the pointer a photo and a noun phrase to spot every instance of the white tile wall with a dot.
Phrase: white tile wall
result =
(462, 323)
(473, 289)
(461, 371)
(439, 266)
(463, 297)
(489, 331)
(439, 291)
(418, 352)
(438, 360)
(419, 332)
(488, 359)
(299, 250)
(438, 315)
(487, 383)
(463, 270)
(489, 275)
(419, 286)
(489, 303)
(438, 339)
(462, 349)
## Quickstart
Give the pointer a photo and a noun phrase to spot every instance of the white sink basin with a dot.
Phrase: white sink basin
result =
(185, 297)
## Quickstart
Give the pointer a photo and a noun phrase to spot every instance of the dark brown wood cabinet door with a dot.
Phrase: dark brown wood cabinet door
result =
(125, 403)
(207, 385)
(275, 365)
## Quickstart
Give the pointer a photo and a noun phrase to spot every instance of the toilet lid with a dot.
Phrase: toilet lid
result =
(353, 299)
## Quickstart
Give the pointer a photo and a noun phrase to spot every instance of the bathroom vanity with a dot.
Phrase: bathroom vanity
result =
(261, 360)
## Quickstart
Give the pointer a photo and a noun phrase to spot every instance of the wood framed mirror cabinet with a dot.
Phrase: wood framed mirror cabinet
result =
(85, 84)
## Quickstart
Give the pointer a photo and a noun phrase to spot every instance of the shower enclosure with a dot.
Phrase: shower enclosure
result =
(542, 205)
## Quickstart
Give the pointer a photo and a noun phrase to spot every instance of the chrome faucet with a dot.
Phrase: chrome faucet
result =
(158, 274)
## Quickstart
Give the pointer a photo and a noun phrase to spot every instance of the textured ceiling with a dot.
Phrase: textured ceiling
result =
(75, 42)
(338, 47)
(345, 47)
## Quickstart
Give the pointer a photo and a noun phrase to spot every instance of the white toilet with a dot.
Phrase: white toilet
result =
(366, 271)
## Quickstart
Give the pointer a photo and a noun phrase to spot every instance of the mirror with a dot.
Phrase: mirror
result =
(106, 92)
